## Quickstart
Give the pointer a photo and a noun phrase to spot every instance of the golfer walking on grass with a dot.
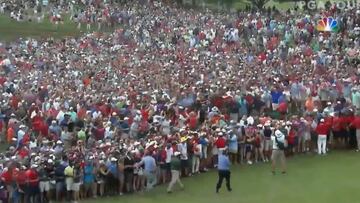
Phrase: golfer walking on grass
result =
(278, 153)
(223, 169)
(149, 170)
(175, 172)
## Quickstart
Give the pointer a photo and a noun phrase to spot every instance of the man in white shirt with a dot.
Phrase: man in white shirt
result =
(169, 153)
(278, 140)
(184, 156)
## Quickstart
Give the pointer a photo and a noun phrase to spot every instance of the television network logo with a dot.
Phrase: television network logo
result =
(321, 4)
(327, 25)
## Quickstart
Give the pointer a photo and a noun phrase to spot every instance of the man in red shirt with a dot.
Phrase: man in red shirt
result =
(356, 124)
(32, 180)
(20, 178)
(337, 129)
(329, 122)
(322, 130)
(6, 177)
(193, 120)
(220, 143)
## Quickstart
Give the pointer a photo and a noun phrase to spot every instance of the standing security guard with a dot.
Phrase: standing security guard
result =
(223, 169)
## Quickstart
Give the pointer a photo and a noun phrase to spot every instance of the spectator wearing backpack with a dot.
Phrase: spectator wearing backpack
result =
(278, 154)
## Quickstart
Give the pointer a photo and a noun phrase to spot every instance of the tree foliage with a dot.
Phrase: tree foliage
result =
(259, 4)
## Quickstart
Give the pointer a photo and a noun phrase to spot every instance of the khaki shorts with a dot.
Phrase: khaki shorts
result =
(267, 144)
(278, 155)
(69, 182)
(44, 186)
(76, 187)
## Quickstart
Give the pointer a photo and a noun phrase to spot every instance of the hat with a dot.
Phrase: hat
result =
(214, 108)
(183, 139)
(113, 159)
(322, 120)
(59, 142)
(220, 134)
(177, 153)
(22, 126)
(50, 161)
(34, 166)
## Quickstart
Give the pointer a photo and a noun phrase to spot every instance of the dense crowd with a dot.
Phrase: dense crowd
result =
(103, 114)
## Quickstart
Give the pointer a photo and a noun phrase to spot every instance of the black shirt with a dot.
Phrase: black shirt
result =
(267, 133)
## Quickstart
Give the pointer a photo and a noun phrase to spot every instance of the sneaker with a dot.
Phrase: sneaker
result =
(217, 190)
(249, 162)
(273, 172)
(230, 189)
(121, 194)
(284, 172)
(169, 192)
(357, 150)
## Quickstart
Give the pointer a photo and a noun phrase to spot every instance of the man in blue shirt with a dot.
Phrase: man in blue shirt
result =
(149, 170)
(224, 170)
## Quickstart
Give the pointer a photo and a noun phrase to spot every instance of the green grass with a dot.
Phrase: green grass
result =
(12, 30)
(310, 178)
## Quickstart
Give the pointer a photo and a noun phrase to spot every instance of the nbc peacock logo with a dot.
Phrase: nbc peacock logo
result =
(327, 25)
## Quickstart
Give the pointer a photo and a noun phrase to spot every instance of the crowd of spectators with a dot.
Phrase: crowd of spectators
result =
(103, 113)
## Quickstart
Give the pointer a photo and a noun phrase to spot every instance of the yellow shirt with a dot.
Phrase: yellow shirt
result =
(69, 171)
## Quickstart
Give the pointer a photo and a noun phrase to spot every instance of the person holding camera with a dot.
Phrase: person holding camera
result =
(278, 154)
